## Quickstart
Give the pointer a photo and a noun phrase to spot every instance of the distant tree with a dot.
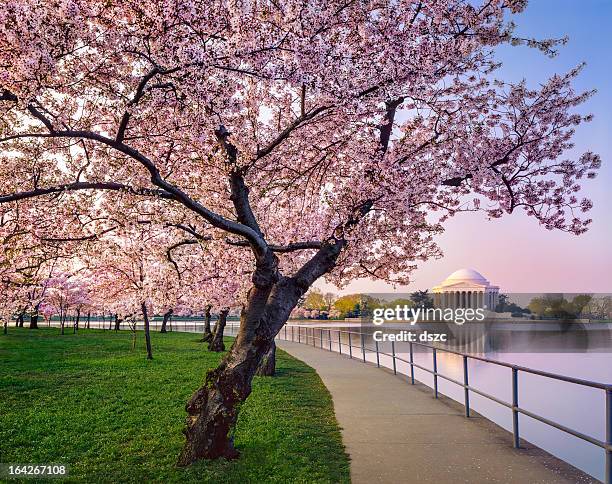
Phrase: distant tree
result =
(580, 302)
(599, 308)
(315, 300)
(348, 305)
(329, 298)
(422, 298)
(504, 305)
(557, 307)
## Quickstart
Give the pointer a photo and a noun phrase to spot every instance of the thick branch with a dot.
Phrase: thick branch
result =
(240, 198)
(137, 96)
(284, 134)
(292, 247)
(69, 187)
(321, 263)
(386, 128)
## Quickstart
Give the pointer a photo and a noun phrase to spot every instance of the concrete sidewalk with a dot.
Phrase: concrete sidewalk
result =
(398, 433)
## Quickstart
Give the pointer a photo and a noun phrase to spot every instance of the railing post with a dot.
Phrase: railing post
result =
(515, 414)
(608, 477)
(339, 341)
(299, 334)
(435, 372)
(393, 355)
(293, 333)
(411, 364)
(329, 339)
(377, 354)
(466, 383)
(350, 345)
(362, 347)
(321, 335)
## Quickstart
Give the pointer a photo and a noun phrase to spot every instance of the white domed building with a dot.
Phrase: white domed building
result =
(466, 288)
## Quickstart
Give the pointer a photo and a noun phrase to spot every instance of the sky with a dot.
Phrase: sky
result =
(514, 252)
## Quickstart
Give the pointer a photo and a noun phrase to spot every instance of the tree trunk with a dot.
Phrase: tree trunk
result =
(77, 320)
(213, 409)
(216, 343)
(267, 367)
(145, 316)
(117, 322)
(6, 326)
(167, 317)
(34, 319)
(62, 321)
(207, 336)
(88, 319)
(20, 319)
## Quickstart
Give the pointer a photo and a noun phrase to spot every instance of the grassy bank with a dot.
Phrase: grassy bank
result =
(91, 402)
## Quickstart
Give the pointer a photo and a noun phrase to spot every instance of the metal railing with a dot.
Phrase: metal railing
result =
(315, 336)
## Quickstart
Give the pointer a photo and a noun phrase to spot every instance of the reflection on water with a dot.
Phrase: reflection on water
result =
(578, 350)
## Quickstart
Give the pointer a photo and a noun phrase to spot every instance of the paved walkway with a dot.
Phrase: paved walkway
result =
(398, 433)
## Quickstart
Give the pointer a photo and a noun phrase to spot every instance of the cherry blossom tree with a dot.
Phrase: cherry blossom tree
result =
(326, 139)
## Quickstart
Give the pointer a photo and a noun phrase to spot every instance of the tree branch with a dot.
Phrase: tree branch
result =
(70, 187)
(291, 247)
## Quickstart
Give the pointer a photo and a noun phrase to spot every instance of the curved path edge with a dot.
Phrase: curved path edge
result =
(398, 433)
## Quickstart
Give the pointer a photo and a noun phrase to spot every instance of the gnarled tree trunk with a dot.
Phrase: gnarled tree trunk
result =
(207, 336)
(77, 320)
(267, 367)
(145, 316)
(216, 344)
(213, 409)
(167, 316)
(34, 319)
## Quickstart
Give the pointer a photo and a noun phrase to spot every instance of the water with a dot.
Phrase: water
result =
(577, 350)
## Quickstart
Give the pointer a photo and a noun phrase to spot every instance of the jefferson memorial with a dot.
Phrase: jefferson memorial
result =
(466, 288)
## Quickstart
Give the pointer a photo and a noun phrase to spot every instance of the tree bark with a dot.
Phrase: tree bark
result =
(117, 322)
(34, 319)
(77, 320)
(20, 319)
(88, 319)
(167, 316)
(216, 344)
(207, 336)
(5, 326)
(213, 409)
(145, 316)
(267, 367)
(62, 321)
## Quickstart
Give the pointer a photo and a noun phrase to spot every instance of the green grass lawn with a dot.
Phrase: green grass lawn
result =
(91, 402)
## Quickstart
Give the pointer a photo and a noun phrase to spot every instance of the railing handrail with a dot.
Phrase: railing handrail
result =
(556, 376)
(514, 406)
